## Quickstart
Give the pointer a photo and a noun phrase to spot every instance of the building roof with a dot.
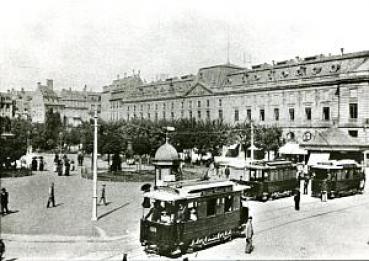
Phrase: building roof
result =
(228, 78)
(333, 139)
(166, 152)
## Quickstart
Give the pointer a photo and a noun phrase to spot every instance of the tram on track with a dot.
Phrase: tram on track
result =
(191, 215)
(339, 177)
(270, 179)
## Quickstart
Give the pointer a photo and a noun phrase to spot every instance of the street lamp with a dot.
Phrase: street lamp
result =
(94, 161)
(60, 142)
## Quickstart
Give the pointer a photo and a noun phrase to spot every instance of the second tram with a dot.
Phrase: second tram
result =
(270, 179)
(338, 178)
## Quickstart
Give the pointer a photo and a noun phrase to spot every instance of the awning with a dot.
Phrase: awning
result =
(292, 149)
(317, 157)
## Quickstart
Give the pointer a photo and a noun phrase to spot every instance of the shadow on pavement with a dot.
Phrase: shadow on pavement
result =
(113, 210)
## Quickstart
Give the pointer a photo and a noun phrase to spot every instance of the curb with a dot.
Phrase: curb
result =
(58, 238)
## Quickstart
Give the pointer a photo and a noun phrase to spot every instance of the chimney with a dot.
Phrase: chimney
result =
(50, 83)
(342, 49)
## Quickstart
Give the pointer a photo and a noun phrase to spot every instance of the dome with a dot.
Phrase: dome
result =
(166, 152)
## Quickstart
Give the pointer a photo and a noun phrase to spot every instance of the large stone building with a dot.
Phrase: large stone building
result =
(303, 96)
(7, 105)
(15, 104)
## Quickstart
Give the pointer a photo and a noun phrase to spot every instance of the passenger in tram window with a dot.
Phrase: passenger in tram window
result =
(164, 217)
(193, 214)
(182, 214)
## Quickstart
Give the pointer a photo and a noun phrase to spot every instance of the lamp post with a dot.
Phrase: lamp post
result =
(60, 142)
(94, 161)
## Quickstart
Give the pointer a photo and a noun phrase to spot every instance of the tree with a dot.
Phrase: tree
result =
(52, 128)
(16, 146)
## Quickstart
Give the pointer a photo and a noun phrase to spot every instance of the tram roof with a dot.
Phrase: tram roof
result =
(335, 164)
(269, 164)
(191, 190)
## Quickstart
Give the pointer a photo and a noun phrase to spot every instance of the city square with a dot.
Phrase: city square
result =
(184, 130)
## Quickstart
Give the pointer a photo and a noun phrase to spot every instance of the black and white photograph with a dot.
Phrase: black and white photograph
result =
(184, 130)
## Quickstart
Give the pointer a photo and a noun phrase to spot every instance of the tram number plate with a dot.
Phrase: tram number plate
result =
(153, 229)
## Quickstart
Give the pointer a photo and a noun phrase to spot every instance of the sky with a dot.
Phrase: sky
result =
(76, 42)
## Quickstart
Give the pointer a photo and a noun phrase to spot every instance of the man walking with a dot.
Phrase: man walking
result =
(249, 234)
(102, 197)
(4, 200)
(297, 199)
(51, 196)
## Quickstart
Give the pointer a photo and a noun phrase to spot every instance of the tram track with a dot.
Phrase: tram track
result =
(275, 226)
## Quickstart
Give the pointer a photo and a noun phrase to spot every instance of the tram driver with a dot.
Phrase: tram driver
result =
(155, 212)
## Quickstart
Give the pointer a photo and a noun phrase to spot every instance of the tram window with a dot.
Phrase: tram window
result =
(266, 175)
(228, 204)
(210, 207)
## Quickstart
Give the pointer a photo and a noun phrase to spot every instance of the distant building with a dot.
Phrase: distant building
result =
(127, 84)
(79, 106)
(303, 96)
(7, 105)
(43, 100)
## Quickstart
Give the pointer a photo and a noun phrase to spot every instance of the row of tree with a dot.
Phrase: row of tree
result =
(145, 136)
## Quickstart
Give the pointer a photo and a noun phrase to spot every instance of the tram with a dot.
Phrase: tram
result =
(270, 179)
(342, 177)
(192, 215)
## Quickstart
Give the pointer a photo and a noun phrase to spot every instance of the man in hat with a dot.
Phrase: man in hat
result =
(34, 164)
(102, 197)
(249, 234)
(4, 200)
(51, 196)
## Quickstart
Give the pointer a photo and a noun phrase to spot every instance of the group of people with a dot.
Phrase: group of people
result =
(37, 164)
(63, 166)
(215, 173)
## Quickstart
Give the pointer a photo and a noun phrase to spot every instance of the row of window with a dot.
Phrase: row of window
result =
(326, 114)
(164, 105)
(353, 113)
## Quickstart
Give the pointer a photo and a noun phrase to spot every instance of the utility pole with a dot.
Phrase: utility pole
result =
(94, 162)
(252, 141)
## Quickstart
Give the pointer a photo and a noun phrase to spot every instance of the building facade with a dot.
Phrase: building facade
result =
(44, 99)
(302, 96)
(79, 106)
(7, 105)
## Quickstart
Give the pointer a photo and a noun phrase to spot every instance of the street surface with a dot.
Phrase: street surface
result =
(337, 229)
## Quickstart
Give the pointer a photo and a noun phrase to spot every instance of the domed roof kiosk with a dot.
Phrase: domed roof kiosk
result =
(167, 165)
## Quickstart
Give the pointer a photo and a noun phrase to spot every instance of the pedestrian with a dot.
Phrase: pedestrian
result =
(324, 190)
(51, 196)
(2, 249)
(227, 172)
(4, 200)
(56, 160)
(306, 184)
(34, 164)
(102, 197)
(249, 234)
(59, 168)
(72, 166)
(82, 157)
(79, 159)
(41, 164)
(66, 167)
(297, 199)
